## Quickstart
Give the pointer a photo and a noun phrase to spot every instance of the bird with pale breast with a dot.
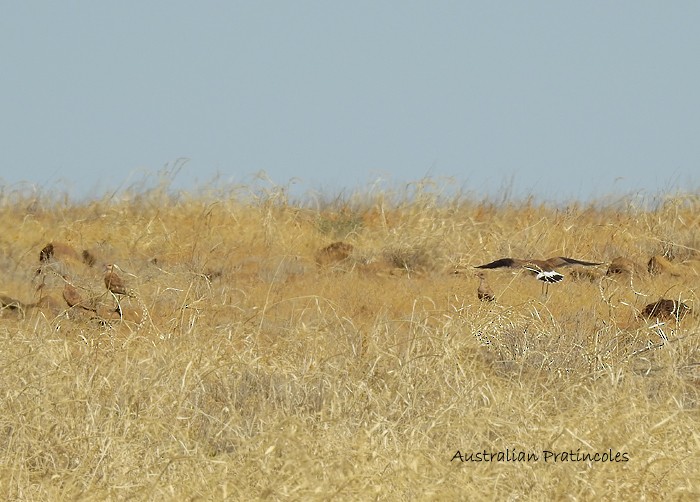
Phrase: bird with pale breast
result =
(543, 270)
(484, 291)
(114, 283)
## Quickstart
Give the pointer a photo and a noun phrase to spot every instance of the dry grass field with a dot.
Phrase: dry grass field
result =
(246, 365)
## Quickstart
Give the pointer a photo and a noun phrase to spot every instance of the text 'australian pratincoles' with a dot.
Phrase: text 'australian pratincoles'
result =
(547, 456)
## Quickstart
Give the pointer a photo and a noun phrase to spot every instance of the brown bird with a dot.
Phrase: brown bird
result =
(660, 264)
(543, 270)
(114, 283)
(72, 296)
(624, 267)
(484, 292)
(10, 303)
(57, 250)
(46, 252)
(668, 309)
(334, 253)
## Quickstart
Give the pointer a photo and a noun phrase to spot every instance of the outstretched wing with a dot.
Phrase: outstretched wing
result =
(563, 261)
(502, 263)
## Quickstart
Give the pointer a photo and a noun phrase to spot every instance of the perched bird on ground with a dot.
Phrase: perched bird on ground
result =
(666, 309)
(72, 296)
(57, 250)
(61, 251)
(334, 253)
(543, 270)
(114, 283)
(624, 267)
(484, 292)
(10, 303)
(658, 265)
(46, 252)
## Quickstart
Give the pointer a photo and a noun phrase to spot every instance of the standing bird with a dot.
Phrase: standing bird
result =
(484, 292)
(334, 253)
(10, 303)
(114, 283)
(72, 296)
(666, 309)
(543, 270)
(624, 266)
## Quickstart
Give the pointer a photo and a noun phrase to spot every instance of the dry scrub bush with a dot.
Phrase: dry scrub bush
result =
(256, 374)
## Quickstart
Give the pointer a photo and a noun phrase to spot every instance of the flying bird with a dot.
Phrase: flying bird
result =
(543, 270)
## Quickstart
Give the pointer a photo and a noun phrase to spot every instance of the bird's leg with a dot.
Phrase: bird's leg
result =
(545, 289)
(118, 310)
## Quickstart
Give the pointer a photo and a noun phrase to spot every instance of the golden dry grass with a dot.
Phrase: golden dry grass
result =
(241, 370)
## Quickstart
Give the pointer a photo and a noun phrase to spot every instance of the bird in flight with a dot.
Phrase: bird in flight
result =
(543, 270)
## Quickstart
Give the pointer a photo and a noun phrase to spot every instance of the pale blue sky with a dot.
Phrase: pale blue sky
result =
(559, 99)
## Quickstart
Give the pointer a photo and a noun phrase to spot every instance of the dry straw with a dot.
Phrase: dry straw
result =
(251, 364)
